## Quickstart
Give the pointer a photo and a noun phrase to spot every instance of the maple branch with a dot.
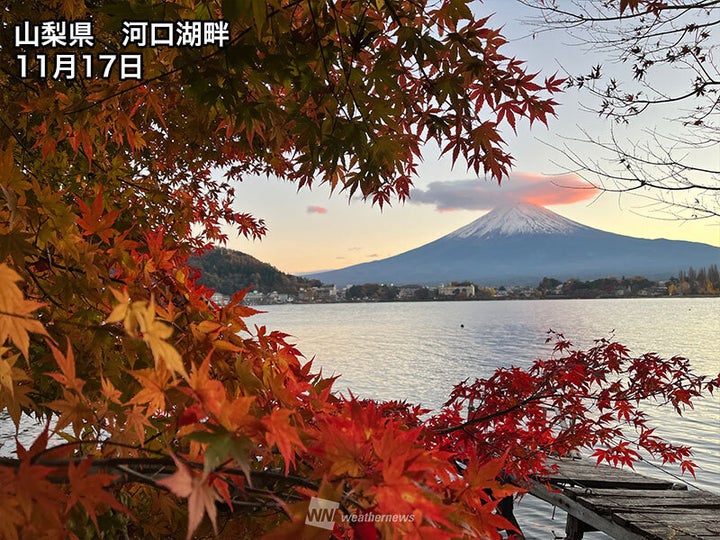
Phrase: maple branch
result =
(581, 19)
(97, 442)
(347, 70)
(140, 477)
(659, 189)
(163, 461)
(144, 82)
(15, 135)
(158, 468)
(485, 418)
(36, 280)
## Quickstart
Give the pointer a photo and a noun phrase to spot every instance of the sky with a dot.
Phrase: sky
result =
(309, 230)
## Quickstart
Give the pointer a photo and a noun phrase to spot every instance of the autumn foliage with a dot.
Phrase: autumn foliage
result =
(161, 407)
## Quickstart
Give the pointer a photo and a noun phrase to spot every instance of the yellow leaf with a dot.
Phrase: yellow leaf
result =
(163, 351)
(7, 161)
(74, 411)
(16, 382)
(154, 333)
(119, 312)
(15, 320)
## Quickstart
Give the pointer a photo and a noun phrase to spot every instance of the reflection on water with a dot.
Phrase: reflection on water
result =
(418, 351)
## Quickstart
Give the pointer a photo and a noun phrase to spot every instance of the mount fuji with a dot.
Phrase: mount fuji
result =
(522, 243)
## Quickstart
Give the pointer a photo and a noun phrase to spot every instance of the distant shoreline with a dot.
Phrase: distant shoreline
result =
(701, 283)
(502, 299)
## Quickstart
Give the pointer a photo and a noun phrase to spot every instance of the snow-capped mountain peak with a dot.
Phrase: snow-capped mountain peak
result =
(519, 218)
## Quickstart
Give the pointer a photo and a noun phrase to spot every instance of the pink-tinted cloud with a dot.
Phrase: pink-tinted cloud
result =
(485, 195)
(316, 210)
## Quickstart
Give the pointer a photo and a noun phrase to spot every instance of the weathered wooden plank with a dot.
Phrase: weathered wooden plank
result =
(687, 503)
(704, 518)
(685, 526)
(589, 474)
(660, 532)
(609, 492)
(585, 464)
(602, 481)
(579, 468)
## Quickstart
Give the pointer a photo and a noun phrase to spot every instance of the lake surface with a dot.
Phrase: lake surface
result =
(418, 351)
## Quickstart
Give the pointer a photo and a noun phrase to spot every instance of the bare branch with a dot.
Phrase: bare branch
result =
(668, 55)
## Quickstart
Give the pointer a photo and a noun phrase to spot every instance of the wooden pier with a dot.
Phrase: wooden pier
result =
(626, 505)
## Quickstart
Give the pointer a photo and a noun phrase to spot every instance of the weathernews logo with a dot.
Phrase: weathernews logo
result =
(323, 513)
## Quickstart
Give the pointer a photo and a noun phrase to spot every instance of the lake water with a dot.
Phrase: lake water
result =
(418, 351)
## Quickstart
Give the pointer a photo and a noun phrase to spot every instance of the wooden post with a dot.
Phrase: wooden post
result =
(575, 529)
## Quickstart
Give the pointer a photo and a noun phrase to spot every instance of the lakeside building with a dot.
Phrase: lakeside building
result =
(326, 293)
(408, 293)
(467, 291)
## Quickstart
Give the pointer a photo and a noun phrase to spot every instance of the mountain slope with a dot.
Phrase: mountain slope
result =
(228, 271)
(521, 244)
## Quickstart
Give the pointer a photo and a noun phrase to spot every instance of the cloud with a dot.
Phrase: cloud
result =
(484, 195)
(316, 210)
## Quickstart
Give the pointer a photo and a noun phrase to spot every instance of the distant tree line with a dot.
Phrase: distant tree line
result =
(705, 281)
(376, 292)
(372, 291)
(608, 286)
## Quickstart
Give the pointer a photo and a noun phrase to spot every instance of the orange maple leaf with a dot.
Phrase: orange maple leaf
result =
(280, 432)
(95, 220)
(198, 490)
(89, 490)
(155, 382)
(111, 393)
(68, 377)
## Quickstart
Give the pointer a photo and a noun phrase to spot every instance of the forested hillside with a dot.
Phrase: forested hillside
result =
(228, 271)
